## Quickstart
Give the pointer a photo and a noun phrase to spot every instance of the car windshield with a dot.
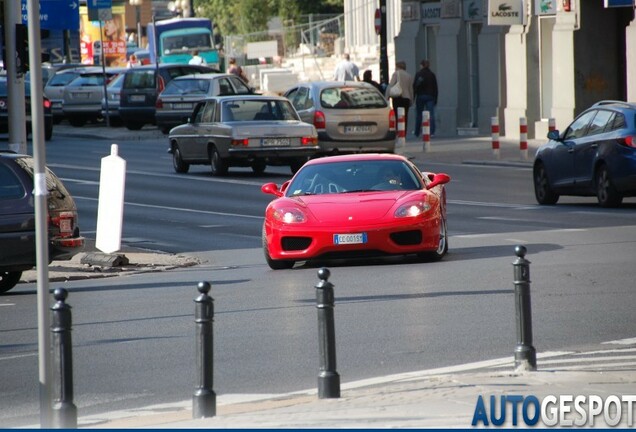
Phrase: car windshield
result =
(61, 79)
(353, 176)
(352, 97)
(257, 109)
(187, 87)
(186, 42)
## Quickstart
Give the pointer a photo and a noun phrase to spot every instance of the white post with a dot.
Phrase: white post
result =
(551, 124)
(426, 130)
(110, 210)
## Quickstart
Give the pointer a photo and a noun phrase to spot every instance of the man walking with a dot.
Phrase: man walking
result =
(425, 89)
(346, 70)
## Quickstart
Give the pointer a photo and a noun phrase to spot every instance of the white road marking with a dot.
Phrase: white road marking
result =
(630, 341)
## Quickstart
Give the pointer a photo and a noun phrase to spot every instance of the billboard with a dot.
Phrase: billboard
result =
(107, 38)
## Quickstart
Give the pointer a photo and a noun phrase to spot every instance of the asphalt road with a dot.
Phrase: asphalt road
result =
(133, 337)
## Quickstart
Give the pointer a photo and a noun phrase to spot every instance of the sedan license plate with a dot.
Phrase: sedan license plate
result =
(358, 238)
(137, 98)
(80, 95)
(357, 129)
(182, 106)
(275, 142)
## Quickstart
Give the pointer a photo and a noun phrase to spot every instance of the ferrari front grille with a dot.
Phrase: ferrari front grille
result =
(295, 243)
(407, 238)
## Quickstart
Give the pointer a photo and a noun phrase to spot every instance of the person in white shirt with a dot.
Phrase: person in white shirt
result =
(346, 70)
(196, 59)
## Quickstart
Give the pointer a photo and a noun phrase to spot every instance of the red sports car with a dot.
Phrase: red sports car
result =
(356, 206)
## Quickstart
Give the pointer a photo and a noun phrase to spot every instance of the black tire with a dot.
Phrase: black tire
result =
(77, 121)
(218, 166)
(297, 164)
(542, 190)
(442, 246)
(272, 263)
(8, 280)
(606, 192)
(164, 130)
(133, 125)
(179, 165)
(48, 131)
(258, 167)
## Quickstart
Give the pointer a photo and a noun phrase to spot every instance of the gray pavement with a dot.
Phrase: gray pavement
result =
(439, 398)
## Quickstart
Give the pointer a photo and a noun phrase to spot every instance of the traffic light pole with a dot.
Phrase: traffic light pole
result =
(384, 59)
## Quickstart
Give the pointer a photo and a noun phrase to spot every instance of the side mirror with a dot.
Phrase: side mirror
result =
(438, 179)
(554, 135)
(272, 189)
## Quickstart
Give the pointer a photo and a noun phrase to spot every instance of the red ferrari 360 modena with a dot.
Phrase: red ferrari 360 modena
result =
(356, 206)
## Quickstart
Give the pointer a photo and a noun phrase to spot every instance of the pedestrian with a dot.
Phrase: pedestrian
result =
(346, 70)
(425, 90)
(197, 59)
(133, 61)
(235, 69)
(400, 90)
(367, 77)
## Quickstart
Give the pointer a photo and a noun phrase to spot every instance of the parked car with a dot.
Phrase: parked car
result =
(113, 92)
(352, 206)
(82, 99)
(17, 219)
(350, 117)
(54, 88)
(175, 103)
(141, 86)
(4, 110)
(248, 130)
(595, 155)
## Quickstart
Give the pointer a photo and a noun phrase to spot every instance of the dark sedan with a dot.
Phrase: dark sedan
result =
(595, 155)
(4, 110)
(17, 219)
(250, 131)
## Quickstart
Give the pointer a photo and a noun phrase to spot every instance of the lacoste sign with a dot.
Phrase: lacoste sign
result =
(506, 12)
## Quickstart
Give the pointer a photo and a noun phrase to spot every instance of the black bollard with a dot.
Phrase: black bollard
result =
(204, 399)
(64, 412)
(525, 354)
(328, 378)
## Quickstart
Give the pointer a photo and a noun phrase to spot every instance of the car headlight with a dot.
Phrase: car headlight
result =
(289, 215)
(412, 209)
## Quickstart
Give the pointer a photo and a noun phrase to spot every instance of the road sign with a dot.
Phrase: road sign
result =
(56, 14)
(378, 21)
(100, 10)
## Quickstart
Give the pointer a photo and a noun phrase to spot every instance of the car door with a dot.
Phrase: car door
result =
(586, 148)
(560, 164)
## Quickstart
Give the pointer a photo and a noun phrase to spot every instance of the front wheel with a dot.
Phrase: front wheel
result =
(179, 165)
(542, 190)
(258, 166)
(217, 165)
(273, 263)
(442, 246)
(606, 192)
(8, 280)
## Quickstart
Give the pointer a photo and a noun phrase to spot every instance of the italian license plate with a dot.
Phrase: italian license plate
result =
(357, 238)
(137, 98)
(357, 129)
(275, 142)
(80, 95)
(182, 106)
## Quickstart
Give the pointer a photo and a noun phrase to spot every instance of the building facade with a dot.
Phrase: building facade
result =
(537, 59)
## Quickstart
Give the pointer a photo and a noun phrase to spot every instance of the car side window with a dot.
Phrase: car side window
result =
(208, 113)
(599, 122)
(578, 128)
(239, 86)
(10, 186)
(618, 122)
(302, 100)
(198, 113)
(225, 88)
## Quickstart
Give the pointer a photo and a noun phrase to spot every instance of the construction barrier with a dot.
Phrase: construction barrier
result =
(494, 133)
(401, 130)
(523, 138)
(551, 124)
(426, 130)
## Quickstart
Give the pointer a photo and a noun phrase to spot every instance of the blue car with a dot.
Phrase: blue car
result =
(595, 155)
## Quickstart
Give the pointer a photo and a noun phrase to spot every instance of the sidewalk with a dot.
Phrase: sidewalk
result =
(439, 398)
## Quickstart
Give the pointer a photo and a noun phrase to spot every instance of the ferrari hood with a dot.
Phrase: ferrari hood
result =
(343, 208)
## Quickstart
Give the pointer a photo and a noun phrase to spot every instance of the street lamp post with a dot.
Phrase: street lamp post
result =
(137, 5)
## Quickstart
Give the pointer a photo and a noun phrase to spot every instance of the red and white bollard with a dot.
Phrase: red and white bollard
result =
(426, 130)
(551, 124)
(523, 138)
(494, 134)
(401, 130)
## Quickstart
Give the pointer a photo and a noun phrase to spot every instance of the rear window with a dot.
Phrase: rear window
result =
(140, 79)
(257, 109)
(352, 98)
(61, 79)
(187, 87)
(10, 186)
